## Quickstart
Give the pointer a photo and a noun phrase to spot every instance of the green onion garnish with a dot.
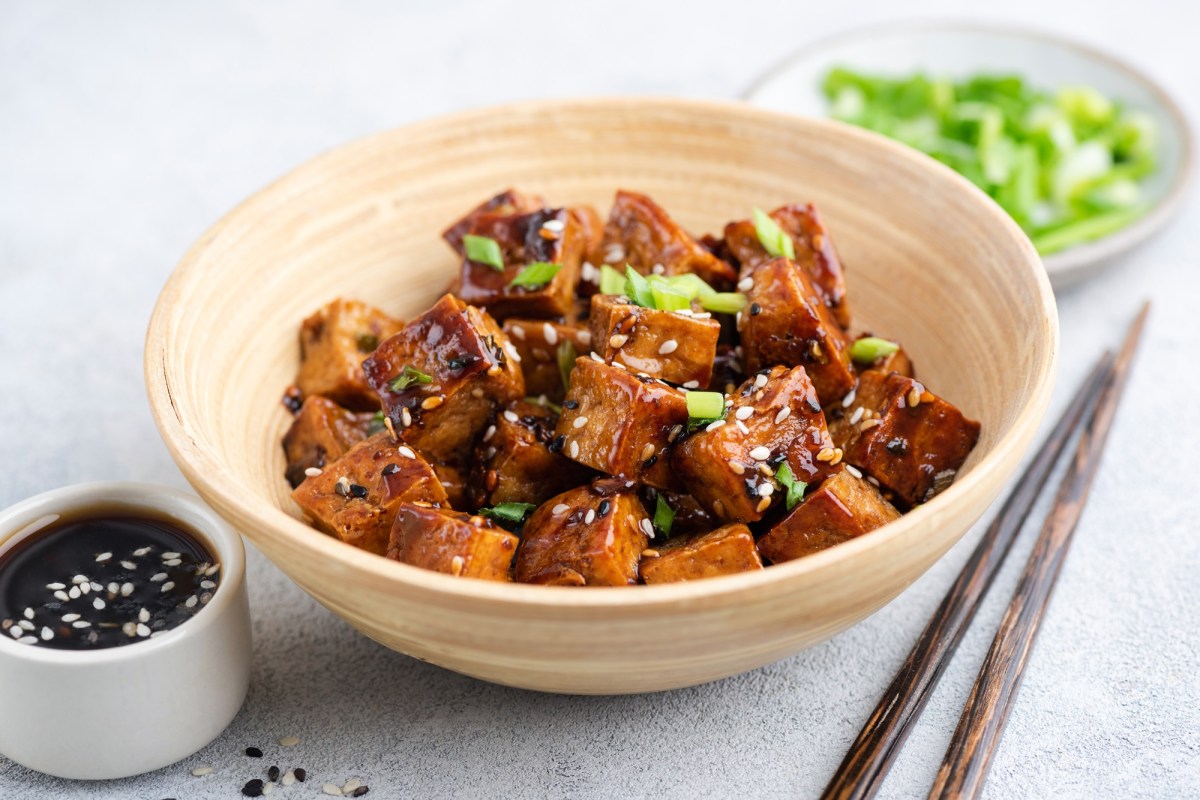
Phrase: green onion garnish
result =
(723, 302)
(705, 405)
(870, 349)
(611, 281)
(637, 289)
(668, 298)
(690, 284)
(484, 250)
(772, 237)
(795, 488)
(664, 517)
(534, 275)
(367, 342)
(407, 377)
(566, 362)
(508, 512)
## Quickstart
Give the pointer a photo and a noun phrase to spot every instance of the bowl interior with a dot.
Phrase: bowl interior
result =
(961, 50)
(930, 261)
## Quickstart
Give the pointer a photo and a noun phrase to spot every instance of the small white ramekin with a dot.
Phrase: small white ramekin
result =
(122, 711)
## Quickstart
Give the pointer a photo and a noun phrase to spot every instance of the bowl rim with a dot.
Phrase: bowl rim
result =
(1072, 263)
(205, 471)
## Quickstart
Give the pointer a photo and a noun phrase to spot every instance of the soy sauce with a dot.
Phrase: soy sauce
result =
(103, 579)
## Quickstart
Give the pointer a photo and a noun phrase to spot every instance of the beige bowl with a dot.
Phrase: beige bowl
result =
(930, 261)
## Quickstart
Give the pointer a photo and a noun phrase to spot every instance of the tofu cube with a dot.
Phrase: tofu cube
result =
(726, 551)
(320, 434)
(539, 343)
(356, 497)
(508, 202)
(547, 235)
(905, 437)
(471, 369)
(514, 462)
(843, 507)
(786, 322)
(620, 424)
(641, 234)
(590, 536)
(333, 343)
(452, 542)
(690, 516)
(455, 480)
(674, 346)
(730, 467)
(815, 253)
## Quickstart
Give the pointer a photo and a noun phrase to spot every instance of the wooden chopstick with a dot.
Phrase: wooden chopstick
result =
(866, 763)
(965, 765)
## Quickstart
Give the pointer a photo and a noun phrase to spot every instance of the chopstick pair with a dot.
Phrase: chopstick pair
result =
(968, 758)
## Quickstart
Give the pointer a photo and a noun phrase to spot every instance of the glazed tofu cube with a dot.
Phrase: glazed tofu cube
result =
(320, 434)
(356, 497)
(725, 551)
(452, 542)
(508, 202)
(547, 235)
(540, 344)
(730, 467)
(815, 253)
(902, 435)
(690, 516)
(674, 346)
(893, 362)
(591, 224)
(641, 234)
(514, 462)
(620, 424)
(786, 322)
(333, 343)
(843, 507)
(442, 377)
(590, 536)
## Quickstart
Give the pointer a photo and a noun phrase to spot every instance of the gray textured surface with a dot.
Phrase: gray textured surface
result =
(126, 129)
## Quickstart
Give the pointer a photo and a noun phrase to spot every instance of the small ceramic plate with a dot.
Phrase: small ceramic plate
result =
(959, 49)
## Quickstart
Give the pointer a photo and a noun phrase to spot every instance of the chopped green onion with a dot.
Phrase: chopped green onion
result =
(772, 237)
(366, 342)
(705, 405)
(870, 349)
(795, 488)
(611, 281)
(690, 284)
(637, 289)
(668, 298)
(535, 275)
(664, 517)
(508, 512)
(484, 250)
(566, 362)
(1085, 230)
(409, 376)
(376, 424)
(723, 302)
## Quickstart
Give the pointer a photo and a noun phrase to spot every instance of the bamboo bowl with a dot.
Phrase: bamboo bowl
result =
(930, 261)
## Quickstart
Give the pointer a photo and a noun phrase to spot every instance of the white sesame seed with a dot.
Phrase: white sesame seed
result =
(61, 595)
(27, 624)
(143, 630)
(126, 589)
(760, 381)
(703, 315)
(78, 579)
(103, 557)
(405, 417)
(518, 332)
(489, 433)
(16, 631)
(158, 576)
(141, 551)
(128, 565)
(129, 629)
(574, 449)
(560, 509)
(853, 470)
(98, 604)
(668, 347)
(406, 451)
(27, 640)
(658, 269)
(312, 472)
(745, 284)
(512, 352)
(783, 414)
(351, 785)
(168, 586)
(765, 489)
(857, 415)
(683, 312)
(736, 468)
(212, 570)
(191, 601)
(86, 588)
(56, 586)
(330, 789)
(760, 453)
(617, 340)
(81, 623)
(712, 426)
(549, 334)
(742, 426)
(73, 593)
(596, 357)
(589, 273)
(555, 225)
(490, 453)
(745, 412)
(47, 634)
(615, 252)
(511, 416)
(143, 615)
(207, 585)
(200, 772)
(647, 528)
(29, 613)
(848, 400)
(174, 562)
(692, 385)
(737, 320)
(69, 617)
(168, 556)
(288, 778)
(589, 517)
(580, 421)
(585, 338)
(113, 588)
(289, 741)
(729, 402)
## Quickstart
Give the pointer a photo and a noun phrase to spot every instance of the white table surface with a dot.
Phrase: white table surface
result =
(126, 129)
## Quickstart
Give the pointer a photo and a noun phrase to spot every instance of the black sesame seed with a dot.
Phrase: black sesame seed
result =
(253, 788)
(897, 446)
(605, 505)
(390, 469)
(300, 774)
(254, 752)
(273, 773)
(360, 791)
(777, 459)
(650, 462)
(755, 309)
(571, 404)
(752, 486)
(558, 444)
(356, 490)
(813, 405)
